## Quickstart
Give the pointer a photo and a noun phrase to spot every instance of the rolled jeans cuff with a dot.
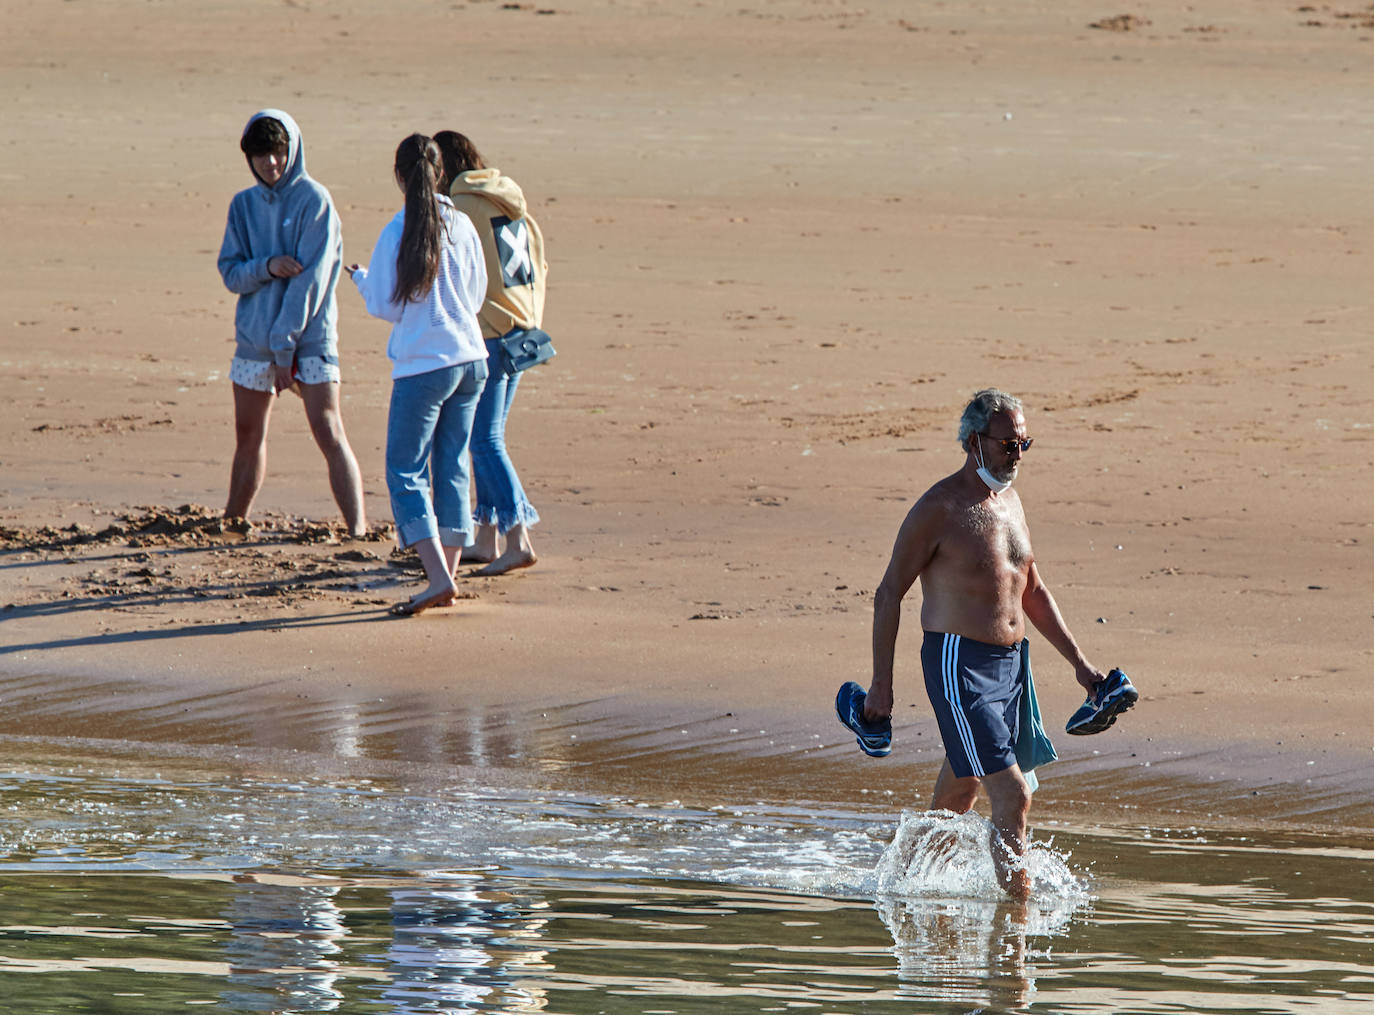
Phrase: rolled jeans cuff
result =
(454, 537)
(413, 530)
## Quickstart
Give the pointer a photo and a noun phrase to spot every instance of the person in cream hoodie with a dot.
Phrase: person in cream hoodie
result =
(513, 248)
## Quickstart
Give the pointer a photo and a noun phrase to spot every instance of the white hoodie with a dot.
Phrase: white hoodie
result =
(440, 330)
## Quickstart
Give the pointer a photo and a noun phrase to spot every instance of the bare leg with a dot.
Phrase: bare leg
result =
(440, 590)
(251, 412)
(519, 553)
(953, 793)
(326, 423)
(484, 547)
(1010, 799)
(452, 555)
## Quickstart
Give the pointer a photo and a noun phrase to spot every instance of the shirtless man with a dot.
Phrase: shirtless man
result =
(966, 539)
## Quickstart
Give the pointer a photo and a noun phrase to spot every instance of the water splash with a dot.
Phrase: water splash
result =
(940, 853)
(956, 935)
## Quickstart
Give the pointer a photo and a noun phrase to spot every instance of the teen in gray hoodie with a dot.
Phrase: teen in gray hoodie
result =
(282, 255)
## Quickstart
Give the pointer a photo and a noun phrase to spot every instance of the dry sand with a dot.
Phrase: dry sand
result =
(787, 241)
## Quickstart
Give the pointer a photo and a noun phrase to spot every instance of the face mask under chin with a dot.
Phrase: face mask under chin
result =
(992, 482)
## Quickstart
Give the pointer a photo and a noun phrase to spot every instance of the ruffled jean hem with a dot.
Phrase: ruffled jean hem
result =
(523, 514)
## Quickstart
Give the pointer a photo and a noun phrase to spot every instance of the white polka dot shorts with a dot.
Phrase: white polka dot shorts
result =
(256, 375)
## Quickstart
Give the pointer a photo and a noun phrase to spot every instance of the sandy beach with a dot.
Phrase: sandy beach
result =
(786, 241)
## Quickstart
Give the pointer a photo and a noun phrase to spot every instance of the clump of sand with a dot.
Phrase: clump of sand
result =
(152, 555)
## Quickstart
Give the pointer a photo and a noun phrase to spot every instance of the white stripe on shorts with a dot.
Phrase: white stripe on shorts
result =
(949, 674)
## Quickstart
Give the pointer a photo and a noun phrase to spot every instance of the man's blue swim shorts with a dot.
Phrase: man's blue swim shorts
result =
(975, 689)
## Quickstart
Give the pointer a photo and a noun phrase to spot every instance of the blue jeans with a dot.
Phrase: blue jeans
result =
(427, 432)
(500, 497)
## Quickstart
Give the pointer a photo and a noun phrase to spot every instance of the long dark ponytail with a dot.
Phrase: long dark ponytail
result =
(418, 170)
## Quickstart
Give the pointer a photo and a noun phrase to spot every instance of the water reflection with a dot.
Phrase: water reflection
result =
(457, 948)
(282, 947)
(964, 950)
(173, 889)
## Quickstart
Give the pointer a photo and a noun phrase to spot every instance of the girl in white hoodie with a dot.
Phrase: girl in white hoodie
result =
(427, 278)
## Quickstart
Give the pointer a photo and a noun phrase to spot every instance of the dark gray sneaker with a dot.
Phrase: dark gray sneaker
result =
(874, 738)
(1108, 700)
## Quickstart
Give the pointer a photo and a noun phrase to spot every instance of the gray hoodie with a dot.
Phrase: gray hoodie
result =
(279, 319)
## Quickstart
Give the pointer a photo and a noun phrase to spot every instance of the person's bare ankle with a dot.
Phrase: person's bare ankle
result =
(1018, 886)
(513, 559)
(485, 546)
(437, 594)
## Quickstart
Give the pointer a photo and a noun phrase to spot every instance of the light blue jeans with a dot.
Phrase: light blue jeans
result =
(500, 497)
(427, 432)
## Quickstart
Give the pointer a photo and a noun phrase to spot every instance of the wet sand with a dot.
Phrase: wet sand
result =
(786, 243)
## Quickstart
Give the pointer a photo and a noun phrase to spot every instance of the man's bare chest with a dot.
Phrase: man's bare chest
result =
(991, 539)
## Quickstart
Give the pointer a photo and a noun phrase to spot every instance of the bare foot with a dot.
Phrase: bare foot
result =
(485, 547)
(417, 605)
(512, 560)
(238, 524)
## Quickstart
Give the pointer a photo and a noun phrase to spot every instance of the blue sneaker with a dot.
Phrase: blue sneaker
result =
(874, 738)
(1111, 697)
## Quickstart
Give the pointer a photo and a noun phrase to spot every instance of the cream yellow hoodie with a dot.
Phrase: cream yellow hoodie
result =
(512, 245)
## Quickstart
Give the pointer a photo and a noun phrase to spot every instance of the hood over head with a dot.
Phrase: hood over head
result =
(502, 191)
(295, 151)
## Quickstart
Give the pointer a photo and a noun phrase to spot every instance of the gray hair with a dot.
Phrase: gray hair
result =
(980, 410)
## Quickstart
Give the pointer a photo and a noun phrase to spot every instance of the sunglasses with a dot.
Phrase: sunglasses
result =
(1010, 444)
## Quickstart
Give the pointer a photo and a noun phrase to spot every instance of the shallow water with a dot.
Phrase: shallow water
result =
(153, 885)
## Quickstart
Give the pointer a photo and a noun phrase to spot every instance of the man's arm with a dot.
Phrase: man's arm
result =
(915, 545)
(1042, 611)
